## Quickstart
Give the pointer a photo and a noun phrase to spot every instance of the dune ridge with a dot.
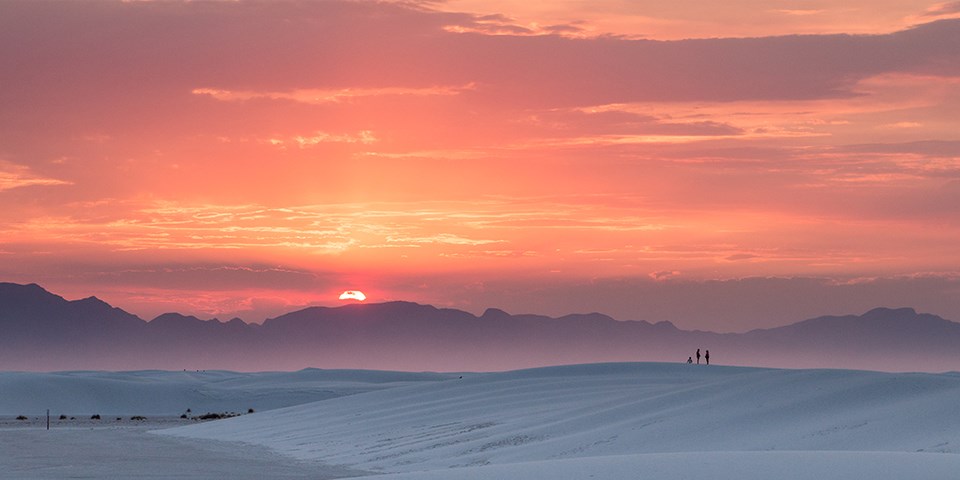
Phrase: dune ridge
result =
(584, 413)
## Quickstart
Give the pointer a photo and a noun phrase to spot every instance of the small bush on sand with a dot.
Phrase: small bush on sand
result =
(21, 417)
(138, 418)
(63, 417)
(95, 417)
(249, 410)
(217, 416)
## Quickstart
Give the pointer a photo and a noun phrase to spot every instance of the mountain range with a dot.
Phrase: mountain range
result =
(41, 331)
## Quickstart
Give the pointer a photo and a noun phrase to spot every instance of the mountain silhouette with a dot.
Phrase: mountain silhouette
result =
(43, 331)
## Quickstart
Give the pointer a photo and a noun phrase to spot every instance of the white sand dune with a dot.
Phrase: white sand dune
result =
(619, 420)
(716, 466)
(157, 392)
(603, 421)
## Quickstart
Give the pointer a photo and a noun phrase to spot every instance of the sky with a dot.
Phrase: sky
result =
(721, 165)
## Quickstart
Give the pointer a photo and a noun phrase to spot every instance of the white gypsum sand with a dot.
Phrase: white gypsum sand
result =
(604, 421)
(830, 465)
(620, 419)
(127, 451)
(107, 448)
(156, 392)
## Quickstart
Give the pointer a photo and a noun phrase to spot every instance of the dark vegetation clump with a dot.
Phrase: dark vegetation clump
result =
(21, 417)
(118, 419)
(95, 417)
(249, 410)
(216, 416)
(183, 416)
(211, 416)
(138, 418)
(63, 417)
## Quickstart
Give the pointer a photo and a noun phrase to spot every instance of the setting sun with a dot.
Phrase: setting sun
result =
(353, 295)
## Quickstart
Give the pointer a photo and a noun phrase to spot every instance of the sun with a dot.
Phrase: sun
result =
(353, 295)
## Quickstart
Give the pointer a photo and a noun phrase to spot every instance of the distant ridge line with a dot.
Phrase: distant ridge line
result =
(401, 335)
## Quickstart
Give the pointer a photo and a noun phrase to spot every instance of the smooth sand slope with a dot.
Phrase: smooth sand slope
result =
(628, 421)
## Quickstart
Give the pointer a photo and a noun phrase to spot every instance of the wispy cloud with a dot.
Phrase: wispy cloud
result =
(904, 124)
(365, 137)
(800, 12)
(445, 238)
(943, 10)
(497, 24)
(16, 176)
(324, 96)
(664, 275)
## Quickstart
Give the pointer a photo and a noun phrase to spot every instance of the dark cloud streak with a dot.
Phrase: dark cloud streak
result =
(62, 51)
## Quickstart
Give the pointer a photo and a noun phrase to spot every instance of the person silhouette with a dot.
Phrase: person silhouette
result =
(707, 356)
(689, 360)
(698, 356)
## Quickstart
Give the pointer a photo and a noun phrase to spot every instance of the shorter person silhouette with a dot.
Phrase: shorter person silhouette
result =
(689, 360)
(707, 357)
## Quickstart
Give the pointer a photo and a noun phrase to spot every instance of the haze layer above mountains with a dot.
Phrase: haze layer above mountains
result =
(44, 332)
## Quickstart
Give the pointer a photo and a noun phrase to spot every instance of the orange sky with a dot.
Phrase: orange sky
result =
(723, 165)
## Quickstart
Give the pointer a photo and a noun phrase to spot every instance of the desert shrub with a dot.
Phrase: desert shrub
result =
(138, 418)
(63, 417)
(183, 416)
(249, 410)
(95, 417)
(217, 416)
(21, 417)
(118, 419)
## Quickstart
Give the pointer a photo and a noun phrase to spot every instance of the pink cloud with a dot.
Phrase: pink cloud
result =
(943, 9)
(14, 176)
